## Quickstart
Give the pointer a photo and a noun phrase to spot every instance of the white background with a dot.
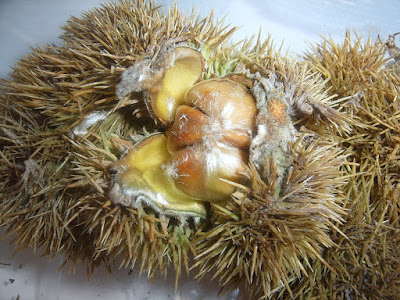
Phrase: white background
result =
(26, 23)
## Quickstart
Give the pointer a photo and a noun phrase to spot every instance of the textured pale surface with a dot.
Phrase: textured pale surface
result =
(25, 23)
(36, 278)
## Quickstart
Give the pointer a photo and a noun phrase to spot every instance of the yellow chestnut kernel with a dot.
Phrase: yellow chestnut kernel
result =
(187, 128)
(225, 100)
(189, 171)
(149, 153)
(209, 138)
(237, 138)
(182, 68)
(205, 148)
(142, 177)
(201, 170)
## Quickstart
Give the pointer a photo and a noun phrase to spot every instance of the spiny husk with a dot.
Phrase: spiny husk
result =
(53, 184)
(312, 105)
(270, 242)
(367, 262)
